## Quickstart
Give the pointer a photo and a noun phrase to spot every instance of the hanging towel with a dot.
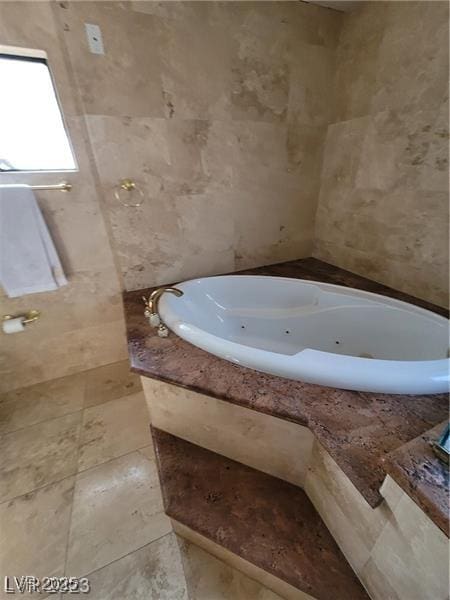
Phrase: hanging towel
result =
(29, 262)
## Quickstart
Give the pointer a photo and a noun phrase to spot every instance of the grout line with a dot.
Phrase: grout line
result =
(75, 474)
(37, 489)
(112, 399)
(83, 408)
(79, 471)
(69, 524)
(129, 553)
(5, 433)
(82, 373)
(187, 581)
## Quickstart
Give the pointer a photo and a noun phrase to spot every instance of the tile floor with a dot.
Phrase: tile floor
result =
(80, 496)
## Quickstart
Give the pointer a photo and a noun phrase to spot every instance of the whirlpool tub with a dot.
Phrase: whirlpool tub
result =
(314, 332)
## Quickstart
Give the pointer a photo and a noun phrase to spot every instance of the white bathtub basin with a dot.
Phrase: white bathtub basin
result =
(314, 332)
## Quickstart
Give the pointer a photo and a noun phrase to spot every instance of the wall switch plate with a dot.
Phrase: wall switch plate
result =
(94, 38)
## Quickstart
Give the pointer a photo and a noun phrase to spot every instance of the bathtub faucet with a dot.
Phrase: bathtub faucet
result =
(151, 308)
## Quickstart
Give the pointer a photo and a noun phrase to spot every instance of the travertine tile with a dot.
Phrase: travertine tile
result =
(387, 149)
(406, 150)
(353, 523)
(343, 146)
(241, 434)
(110, 382)
(34, 530)
(356, 63)
(65, 352)
(117, 509)
(154, 572)
(211, 579)
(413, 57)
(195, 84)
(34, 404)
(112, 429)
(38, 455)
(428, 281)
(206, 224)
(224, 140)
(110, 135)
(413, 555)
(311, 78)
(285, 234)
(148, 452)
(377, 584)
(127, 76)
(92, 297)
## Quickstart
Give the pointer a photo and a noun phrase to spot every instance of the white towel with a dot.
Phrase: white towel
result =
(29, 262)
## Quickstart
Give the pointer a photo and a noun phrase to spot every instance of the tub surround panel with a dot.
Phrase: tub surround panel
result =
(218, 111)
(353, 523)
(395, 549)
(412, 555)
(244, 435)
(416, 468)
(264, 520)
(357, 429)
(383, 204)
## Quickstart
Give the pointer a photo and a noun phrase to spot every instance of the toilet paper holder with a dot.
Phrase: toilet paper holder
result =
(29, 317)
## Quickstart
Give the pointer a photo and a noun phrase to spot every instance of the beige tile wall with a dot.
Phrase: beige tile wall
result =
(395, 549)
(244, 435)
(383, 207)
(81, 324)
(219, 112)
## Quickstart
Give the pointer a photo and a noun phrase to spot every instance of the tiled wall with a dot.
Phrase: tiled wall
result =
(82, 324)
(219, 112)
(383, 209)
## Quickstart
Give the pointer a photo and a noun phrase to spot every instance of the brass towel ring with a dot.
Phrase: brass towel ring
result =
(129, 186)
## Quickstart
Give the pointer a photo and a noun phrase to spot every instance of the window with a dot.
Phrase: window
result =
(32, 132)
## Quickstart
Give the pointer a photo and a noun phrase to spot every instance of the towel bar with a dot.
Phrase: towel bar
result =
(64, 186)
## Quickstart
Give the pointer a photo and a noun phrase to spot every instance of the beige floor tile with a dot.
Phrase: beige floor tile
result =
(34, 532)
(38, 455)
(40, 402)
(208, 578)
(110, 382)
(117, 509)
(112, 429)
(154, 572)
(148, 452)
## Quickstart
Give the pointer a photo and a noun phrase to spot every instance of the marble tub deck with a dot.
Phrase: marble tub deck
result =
(358, 429)
(422, 475)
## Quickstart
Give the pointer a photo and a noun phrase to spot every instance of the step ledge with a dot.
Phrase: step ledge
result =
(266, 521)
